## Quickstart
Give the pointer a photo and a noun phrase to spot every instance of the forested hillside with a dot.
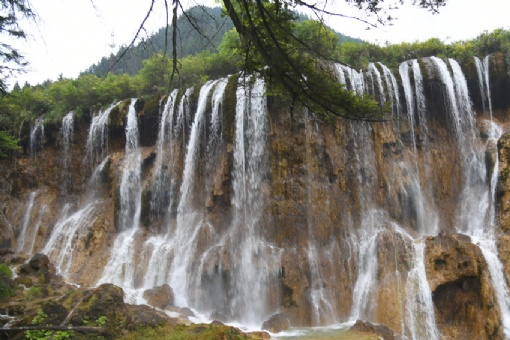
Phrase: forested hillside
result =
(201, 29)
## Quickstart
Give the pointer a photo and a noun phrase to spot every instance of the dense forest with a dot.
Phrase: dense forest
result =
(145, 71)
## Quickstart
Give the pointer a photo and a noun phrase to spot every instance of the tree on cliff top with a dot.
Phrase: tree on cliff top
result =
(11, 12)
(294, 64)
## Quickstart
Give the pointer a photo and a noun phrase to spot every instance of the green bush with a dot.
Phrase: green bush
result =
(5, 270)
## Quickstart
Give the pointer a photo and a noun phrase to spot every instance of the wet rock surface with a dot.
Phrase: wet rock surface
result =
(462, 291)
(160, 297)
(381, 330)
(276, 323)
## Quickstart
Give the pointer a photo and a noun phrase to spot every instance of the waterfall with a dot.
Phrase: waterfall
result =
(453, 108)
(410, 102)
(37, 137)
(486, 62)
(66, 132)
(419, 313)
(70, 227)
(253, 269)
(477, 215)
(120, 268)
(73, 225)
(189, 218)
(376, 88)
(162, 187)
(323, 309)
(177, 251)
(351, 78)
(181, 121)
(97, 140)
(392, 89)
(371, 221)
(480, 70)
(26, 222)
(370, 194)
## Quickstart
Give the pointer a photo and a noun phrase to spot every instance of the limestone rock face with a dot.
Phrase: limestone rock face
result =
(463, 295)
(502, 192)
(276, 323)
(160, 296)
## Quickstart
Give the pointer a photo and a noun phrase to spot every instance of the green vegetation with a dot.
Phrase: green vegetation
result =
(358, 55)
(7, 286)
(39, 319)
(33, 293)
(4, 270)
(12, 12)
(201, 29)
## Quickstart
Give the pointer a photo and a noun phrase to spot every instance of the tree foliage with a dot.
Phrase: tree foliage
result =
(11, 12)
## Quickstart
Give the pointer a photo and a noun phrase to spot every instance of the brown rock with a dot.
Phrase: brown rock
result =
(463, 295)
(106, 300)
(276, 323)
(502, 188)
(144, 316)
(160, 296)
(381, 330)
(40, 267)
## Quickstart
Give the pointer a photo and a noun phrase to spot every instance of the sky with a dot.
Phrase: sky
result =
(72, 35)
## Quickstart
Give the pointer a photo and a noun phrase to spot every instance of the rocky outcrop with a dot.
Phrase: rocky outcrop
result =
(276, 323)
(367, 327)
(160, 297)
(463, 295)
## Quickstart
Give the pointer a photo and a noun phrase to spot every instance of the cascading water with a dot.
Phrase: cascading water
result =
(67, 131)
(37, 137)
(120, 268)
(163, 184)
(256, 259)
(419, 318)
(97, 141)
(372, 220)
(60, 246)
(482, 70)
(189, 217)
(486, 62)
(351, 78)
(375, 85)
(476, 218)
(392, 92)
(481, 82)
(26, 222)
(323, 309)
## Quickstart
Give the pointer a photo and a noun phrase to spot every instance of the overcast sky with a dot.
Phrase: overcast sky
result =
(72, 35)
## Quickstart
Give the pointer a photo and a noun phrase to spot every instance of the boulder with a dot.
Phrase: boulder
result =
(40, 267)
(367, 327)
(106, 300)
(55, 312)
(276, 323)
(145, 316)
(160, 296)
